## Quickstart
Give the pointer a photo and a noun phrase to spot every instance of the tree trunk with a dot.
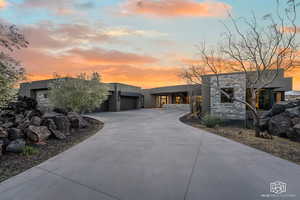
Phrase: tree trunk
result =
(256, 127)
(255, 115)
(192, 105)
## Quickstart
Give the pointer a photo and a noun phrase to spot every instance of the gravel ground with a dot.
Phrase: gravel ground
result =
(278, 146)
(12, 164)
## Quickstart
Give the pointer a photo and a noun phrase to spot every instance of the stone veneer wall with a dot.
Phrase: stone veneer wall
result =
(43, 102)
(231, 111)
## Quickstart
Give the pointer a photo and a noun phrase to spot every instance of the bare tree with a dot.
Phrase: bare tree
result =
(259, 51)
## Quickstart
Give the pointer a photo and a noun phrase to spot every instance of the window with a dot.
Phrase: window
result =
(178, 100)
(224, 98)
(163, 100)
(45, 95)
(279, 96)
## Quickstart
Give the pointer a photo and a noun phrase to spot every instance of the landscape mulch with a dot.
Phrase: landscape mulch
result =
(277, 146)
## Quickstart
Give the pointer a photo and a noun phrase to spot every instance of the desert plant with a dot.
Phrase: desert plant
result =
(211, 121)
(29, 150)
(81, 94)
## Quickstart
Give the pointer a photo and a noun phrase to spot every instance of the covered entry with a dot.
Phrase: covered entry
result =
(171, 98)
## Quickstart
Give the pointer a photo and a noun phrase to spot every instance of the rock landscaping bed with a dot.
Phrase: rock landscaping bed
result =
(29, 136)
(283, 120)
(278, 146)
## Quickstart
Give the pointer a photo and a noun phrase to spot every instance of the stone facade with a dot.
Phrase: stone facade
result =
(234, 110)
(43, 99)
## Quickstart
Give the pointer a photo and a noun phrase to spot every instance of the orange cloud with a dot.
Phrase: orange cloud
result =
(131, 73)
(174, 8)
(97, 55)
(290, 29)
(3, 3)
(111, 68)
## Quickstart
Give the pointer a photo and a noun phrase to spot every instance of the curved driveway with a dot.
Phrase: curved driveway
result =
(151, 155)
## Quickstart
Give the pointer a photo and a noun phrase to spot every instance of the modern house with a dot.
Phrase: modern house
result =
(235, 84)
(121, 96)
(128, 97)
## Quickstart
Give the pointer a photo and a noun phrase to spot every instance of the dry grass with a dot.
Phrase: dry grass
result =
(280, 147)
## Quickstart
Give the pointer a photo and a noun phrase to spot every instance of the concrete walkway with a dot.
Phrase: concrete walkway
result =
(151, 155)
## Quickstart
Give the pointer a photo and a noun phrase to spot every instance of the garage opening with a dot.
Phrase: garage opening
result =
(129, 103)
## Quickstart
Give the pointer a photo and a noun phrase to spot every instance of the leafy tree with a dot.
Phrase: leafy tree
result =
(81, 94)
(10, 70)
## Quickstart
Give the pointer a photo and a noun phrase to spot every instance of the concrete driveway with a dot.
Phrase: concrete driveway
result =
(151, 155)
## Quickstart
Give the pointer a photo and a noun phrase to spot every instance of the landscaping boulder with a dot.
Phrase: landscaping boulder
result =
(278, 108)
(264, 123)
(61, 111)
(16, 146)
(31, 113)
(294, 133)
(15, 133)
(37, 133)
(61, 121)
(7, 125)
(77, 121)
(22, 104)
(29, 103)
(3, 133)
(297, 128)
(63, 124)
(24, 125)
(280, 125)
(296, 120)
(5, 142)
(19, 118)
(35, 121)
(53, 129)
(1, 147)
(7, 115)
(293, 112)
(58, 134)
(291, 104)
(50, 115)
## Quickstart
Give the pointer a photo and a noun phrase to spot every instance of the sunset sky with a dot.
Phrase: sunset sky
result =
(140, 42)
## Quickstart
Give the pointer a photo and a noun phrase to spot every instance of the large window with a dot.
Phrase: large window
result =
(163, 100)
(224, 98)
(178, 100)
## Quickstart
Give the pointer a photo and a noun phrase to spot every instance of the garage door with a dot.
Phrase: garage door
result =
(128, 103)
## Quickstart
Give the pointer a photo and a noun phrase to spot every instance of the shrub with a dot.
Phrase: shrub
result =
(81, 94)
(29, 150)
(211, 121)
